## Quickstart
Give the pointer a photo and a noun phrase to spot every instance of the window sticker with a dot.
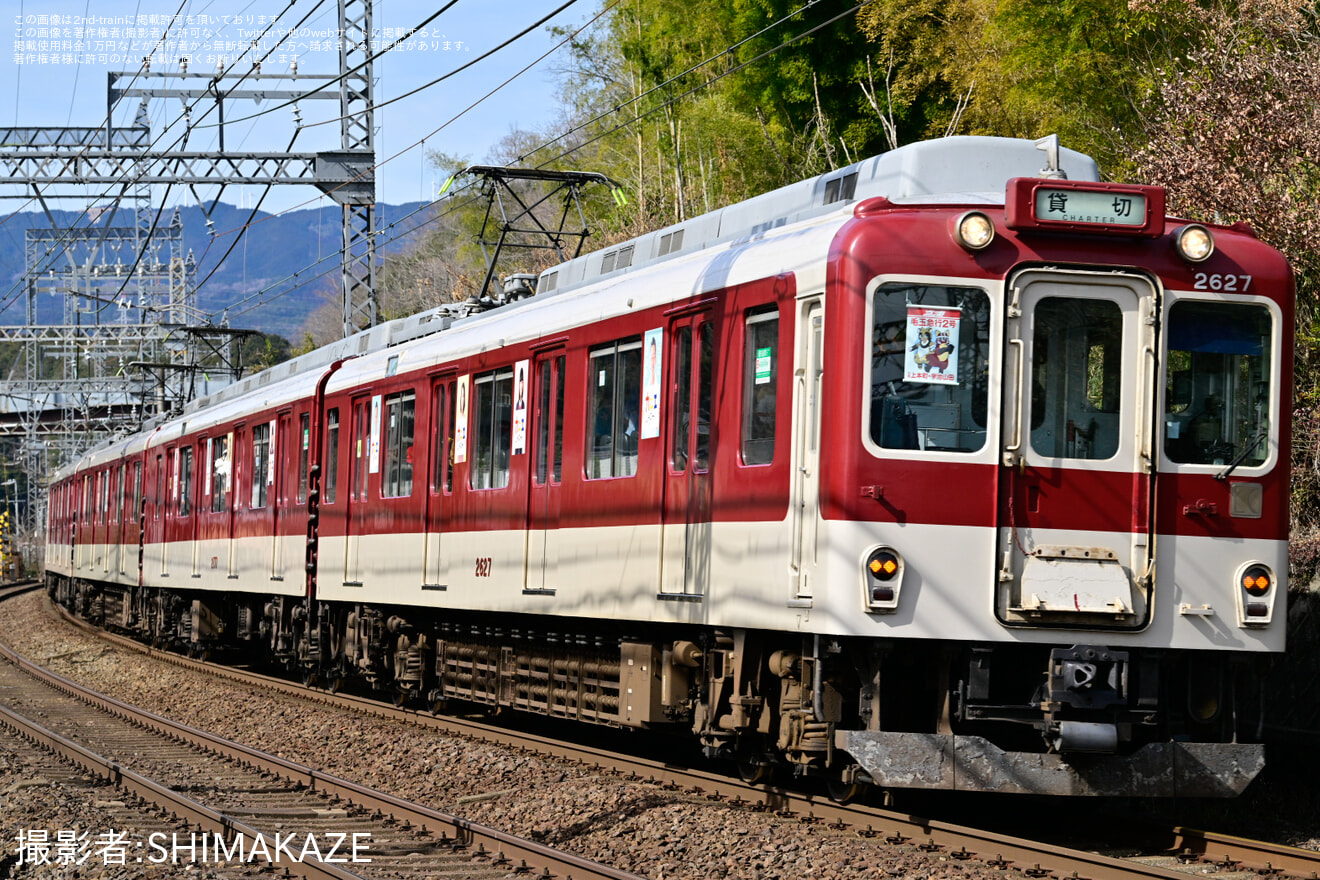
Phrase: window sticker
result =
(373, 441)
(520, 408)
(461, 420)
(762, 365)
(932, 354)
(654, 344)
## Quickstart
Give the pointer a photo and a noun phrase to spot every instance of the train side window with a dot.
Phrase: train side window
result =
(304, 442)
(557, 458)
(116, 502)
(760, 379)
(930, 367)
(442, 431)
(358, 472)
(260, 464)
(681, 404)
(492, 398)
(705, 396)
(121, 511)
(137, 490)
(330, 469)
(171, 502)
(1217, 393)
(549, 420)
(159, 501)
(219, 474)
(400, 413)
(614, 416)
(185, 480)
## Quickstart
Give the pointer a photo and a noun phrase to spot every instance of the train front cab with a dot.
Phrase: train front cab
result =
(1068, 509)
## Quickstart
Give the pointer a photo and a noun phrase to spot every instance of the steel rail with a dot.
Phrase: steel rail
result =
(503, 847)
(1226, 850)
(179, 805)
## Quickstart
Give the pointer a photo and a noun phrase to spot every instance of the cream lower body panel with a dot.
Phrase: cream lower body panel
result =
(744, 579)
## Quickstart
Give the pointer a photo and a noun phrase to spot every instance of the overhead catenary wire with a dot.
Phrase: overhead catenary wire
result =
(605, 10)
(7, 300)
(634, 120)
(722, 53)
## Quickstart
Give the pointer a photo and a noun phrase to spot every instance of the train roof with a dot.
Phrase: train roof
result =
(956, 170)
(960, 170)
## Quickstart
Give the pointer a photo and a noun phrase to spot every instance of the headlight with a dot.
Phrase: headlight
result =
(974, 231)
(1194, 242)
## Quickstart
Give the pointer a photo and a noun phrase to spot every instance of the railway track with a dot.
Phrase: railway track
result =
(1133, 852)
(230, 803)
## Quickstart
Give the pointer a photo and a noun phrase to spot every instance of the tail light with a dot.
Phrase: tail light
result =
(882, 575)
(1256, 589)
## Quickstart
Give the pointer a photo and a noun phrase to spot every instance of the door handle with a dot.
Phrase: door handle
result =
(1011, 450)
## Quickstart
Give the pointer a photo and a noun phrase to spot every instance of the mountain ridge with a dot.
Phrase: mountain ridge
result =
(284, 251)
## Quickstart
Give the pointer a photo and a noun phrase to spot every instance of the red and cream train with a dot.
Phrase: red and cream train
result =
(937, 471)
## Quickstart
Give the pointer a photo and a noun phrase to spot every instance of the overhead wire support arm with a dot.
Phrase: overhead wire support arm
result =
(498, 180)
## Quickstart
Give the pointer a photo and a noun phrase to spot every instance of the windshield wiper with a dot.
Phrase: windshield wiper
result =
(1242, 456)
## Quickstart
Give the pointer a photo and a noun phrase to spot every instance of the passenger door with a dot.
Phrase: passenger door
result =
(547, 439)
(439, 481)
(279, 491)
(1074, 526)
(686, 551)
(359, 465)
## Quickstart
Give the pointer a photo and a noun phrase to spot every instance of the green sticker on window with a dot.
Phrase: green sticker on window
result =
(763, 365)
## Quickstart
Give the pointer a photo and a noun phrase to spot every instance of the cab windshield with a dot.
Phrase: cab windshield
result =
(1217, 395)
(930, 367)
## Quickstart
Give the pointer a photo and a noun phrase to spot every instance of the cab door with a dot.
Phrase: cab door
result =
(1074, 525)
(806, 450)
(686, 552)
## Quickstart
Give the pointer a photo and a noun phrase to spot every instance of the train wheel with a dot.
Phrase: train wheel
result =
(753, 771)
(842, 792)
(310, 678)
(336, 683)
(401, 697)
(435, 703)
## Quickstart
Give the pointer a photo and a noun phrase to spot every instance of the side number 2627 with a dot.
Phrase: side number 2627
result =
(483, 567)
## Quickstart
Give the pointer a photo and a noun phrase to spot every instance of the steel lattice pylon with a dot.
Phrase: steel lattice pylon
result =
(357, 195)
(131, 341)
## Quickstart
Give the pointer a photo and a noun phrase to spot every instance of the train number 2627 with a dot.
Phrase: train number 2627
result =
(483, 566)
(1227, 283)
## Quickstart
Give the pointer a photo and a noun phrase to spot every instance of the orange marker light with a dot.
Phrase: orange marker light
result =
(1256, 581)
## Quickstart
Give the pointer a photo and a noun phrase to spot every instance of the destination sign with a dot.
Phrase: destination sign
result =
(1081, 206)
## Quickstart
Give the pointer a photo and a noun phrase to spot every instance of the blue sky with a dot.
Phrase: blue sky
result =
(45, 81)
